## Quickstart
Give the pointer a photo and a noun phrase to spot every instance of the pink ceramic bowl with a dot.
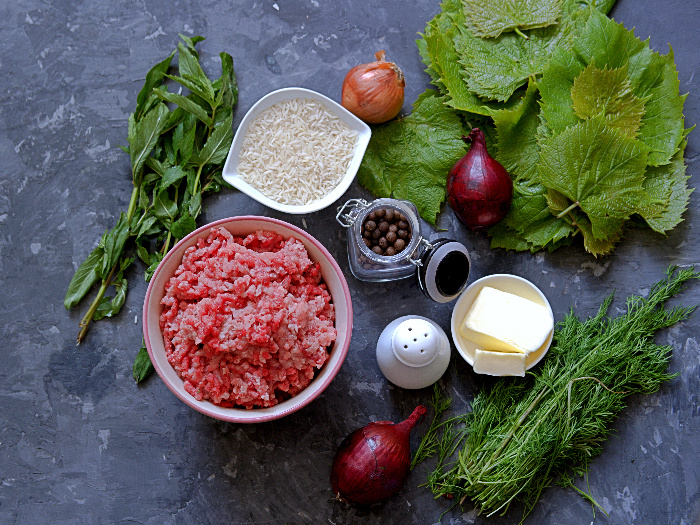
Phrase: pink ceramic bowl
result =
(332, 276)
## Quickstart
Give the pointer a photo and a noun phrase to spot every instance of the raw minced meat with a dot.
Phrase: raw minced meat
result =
(248, 321)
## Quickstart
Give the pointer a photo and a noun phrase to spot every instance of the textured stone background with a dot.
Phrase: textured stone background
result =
(81, 443)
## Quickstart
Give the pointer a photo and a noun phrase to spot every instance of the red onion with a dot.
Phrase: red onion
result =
(479, 189)
(373, 462)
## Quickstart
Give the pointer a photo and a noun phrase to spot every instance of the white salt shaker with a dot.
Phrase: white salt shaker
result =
(413, 352)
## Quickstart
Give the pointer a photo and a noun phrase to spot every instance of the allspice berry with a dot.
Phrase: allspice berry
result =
(386, 231)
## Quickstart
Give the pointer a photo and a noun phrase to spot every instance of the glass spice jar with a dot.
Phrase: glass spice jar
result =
(441, 266)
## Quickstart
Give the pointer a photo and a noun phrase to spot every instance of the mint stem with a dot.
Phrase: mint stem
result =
(90, 314)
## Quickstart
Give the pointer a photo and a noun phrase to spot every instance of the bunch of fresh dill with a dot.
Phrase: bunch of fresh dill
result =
(522, 435)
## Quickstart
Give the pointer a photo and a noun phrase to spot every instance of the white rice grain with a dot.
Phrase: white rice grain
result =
(296, 151)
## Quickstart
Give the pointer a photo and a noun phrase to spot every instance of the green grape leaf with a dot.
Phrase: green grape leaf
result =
(497, 67)
(607, 92)
(410, 158)
(440, 48)
(490, 18)
(555, 90)
(668, 184)
(507, 239)
(652, 78)
(592, 243)
(598, 168)
(516, 130)
(530, 221)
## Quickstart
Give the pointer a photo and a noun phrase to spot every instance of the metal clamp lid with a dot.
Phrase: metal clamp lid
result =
(444, 270)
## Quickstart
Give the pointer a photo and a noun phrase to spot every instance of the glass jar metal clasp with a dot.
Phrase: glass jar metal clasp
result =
(348, 212)
(416, 256)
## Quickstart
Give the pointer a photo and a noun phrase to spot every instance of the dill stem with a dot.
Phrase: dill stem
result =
(511, 433)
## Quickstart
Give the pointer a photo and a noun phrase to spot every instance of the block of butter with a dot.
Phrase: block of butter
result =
(503, 322)
(499, 363)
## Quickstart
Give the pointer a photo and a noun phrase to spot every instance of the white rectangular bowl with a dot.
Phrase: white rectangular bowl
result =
(230, 172)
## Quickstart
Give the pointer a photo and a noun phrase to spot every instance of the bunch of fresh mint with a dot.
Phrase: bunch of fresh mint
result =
(177, 145)
(586, 118)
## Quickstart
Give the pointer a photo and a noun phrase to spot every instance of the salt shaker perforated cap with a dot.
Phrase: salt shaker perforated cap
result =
(413, 352)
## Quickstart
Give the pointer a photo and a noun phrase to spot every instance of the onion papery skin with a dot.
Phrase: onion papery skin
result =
(374, 92)
(373, 462)
(479, 189)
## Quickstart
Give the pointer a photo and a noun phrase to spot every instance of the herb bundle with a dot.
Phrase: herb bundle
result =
(523, 435)
(584, 116)
(176, 157)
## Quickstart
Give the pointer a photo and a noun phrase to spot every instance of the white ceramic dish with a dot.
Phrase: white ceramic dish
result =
(230, 171)
(506, 283)
(332, 276)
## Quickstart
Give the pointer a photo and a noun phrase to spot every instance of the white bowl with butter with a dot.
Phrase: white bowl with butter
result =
(536, 319)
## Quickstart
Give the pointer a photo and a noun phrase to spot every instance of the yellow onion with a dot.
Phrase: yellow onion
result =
(373, 92)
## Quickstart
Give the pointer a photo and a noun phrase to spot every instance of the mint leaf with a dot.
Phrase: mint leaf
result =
(191, 71)
(187, 104)
(143, 367)
(146, 134)
(410, 158)
(87, 274)
(490, 18)
(217, 145)
(154, 79)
